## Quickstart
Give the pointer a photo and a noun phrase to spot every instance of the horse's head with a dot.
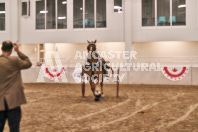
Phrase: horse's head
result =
(91, 46)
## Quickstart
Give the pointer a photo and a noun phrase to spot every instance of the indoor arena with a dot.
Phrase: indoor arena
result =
(98, 66)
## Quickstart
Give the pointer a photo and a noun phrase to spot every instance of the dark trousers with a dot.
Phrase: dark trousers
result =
(13, 116)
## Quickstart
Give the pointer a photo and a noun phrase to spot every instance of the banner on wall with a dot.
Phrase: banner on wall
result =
(53, 72)
(175, 73)
(52, 68)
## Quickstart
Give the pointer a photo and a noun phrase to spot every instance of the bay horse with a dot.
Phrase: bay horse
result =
(96, 68)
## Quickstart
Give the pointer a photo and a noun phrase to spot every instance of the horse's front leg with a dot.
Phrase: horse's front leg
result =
(97, 90)
(92, 87)
(97, 87)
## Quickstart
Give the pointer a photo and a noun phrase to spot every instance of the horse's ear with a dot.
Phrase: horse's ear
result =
(88, 41)
(95, 41)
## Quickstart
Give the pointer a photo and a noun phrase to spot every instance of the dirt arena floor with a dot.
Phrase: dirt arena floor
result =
(140, 108)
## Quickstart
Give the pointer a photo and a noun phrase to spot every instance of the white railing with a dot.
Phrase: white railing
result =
(191, 61)
(131, 77)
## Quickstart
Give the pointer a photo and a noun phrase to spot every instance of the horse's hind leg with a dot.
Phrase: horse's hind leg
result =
(101, 86)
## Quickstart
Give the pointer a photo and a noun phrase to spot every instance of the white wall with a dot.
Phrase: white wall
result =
(169, 44)
(30, 50)
(166, 53)
(185, 33)
(23, 29)
(68, 51)
(181, 50)
(166, 48)
(116, 30)
(113, 32)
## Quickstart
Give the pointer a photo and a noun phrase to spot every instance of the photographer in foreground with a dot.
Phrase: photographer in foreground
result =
(11, 87)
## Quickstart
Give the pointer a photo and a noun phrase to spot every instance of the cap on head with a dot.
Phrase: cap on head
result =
(7, 46)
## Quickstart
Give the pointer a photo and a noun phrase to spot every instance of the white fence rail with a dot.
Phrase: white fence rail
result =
(191, 61)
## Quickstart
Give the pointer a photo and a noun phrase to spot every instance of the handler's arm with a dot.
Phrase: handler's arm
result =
(23, 61)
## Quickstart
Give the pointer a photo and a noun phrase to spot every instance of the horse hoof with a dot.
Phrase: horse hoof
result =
(96, 99)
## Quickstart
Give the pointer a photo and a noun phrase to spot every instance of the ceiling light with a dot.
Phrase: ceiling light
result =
(2, 12)
(64, 2)
(181, 6)
(43, 11)
(117, 7)
(62, 18)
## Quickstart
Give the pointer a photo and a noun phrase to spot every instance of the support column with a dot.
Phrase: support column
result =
(128, 30)
(14, 24)
(70, 14)
(128, 25)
